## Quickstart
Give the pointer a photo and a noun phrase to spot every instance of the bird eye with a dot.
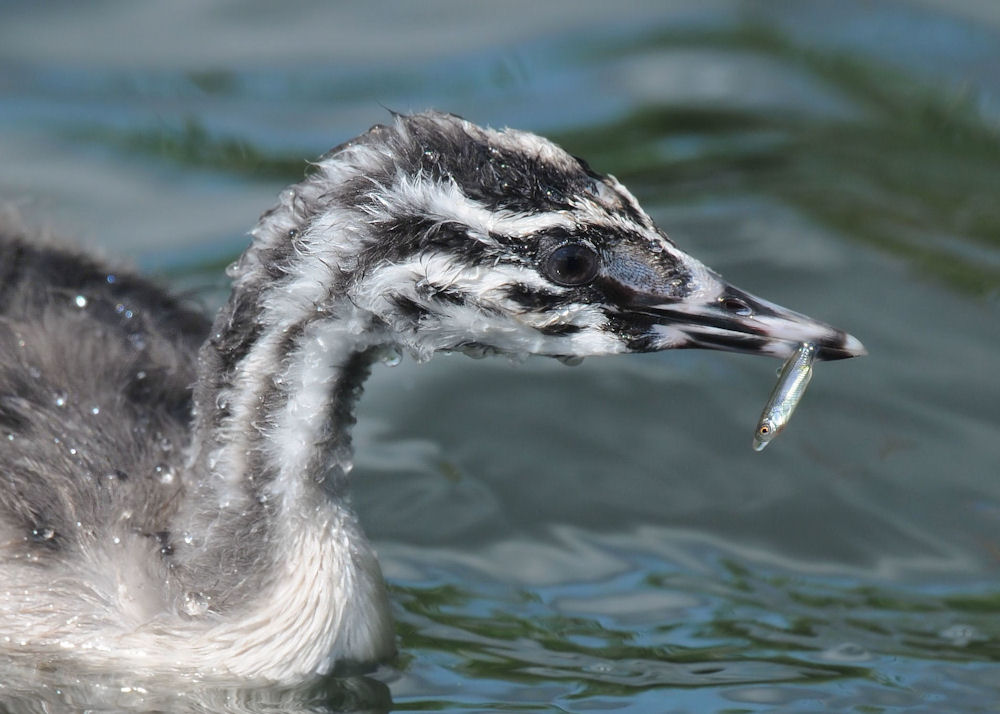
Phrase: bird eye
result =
(572, 264)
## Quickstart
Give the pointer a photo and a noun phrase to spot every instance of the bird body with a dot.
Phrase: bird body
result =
(204, 532)
(95, 411)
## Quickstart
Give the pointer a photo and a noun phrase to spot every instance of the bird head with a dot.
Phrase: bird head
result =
(460, 238)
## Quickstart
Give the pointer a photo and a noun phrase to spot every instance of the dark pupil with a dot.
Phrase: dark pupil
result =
(572, 265)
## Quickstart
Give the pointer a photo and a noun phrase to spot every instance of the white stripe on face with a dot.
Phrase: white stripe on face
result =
(443, 201)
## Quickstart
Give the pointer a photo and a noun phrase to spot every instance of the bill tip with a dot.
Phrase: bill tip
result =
(853, 345)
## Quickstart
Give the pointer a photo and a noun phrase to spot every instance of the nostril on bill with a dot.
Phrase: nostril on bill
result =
(736, 306)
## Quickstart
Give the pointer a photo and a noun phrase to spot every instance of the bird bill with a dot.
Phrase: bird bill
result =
(792, 382)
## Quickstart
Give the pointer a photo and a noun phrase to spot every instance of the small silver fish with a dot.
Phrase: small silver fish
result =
(792, 382)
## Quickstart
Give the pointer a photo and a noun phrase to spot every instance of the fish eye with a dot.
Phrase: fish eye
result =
(572, 264)
(764, 430)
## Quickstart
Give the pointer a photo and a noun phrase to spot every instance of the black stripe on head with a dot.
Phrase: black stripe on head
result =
(629, 268)
(641, 343)
(430, 291)
(497, 175)
(493, 171)
(633, 330)
(560, 329)
(405, 236)
(410, 310)
(538, 299)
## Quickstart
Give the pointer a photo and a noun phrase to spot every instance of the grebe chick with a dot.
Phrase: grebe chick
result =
(166, 531)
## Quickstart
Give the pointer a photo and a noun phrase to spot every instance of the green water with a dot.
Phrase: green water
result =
(604, 538)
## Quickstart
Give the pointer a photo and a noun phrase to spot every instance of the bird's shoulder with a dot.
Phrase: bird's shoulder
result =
(96, 371)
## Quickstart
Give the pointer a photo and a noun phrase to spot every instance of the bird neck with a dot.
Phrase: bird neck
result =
(275, 400)
(271, 452)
